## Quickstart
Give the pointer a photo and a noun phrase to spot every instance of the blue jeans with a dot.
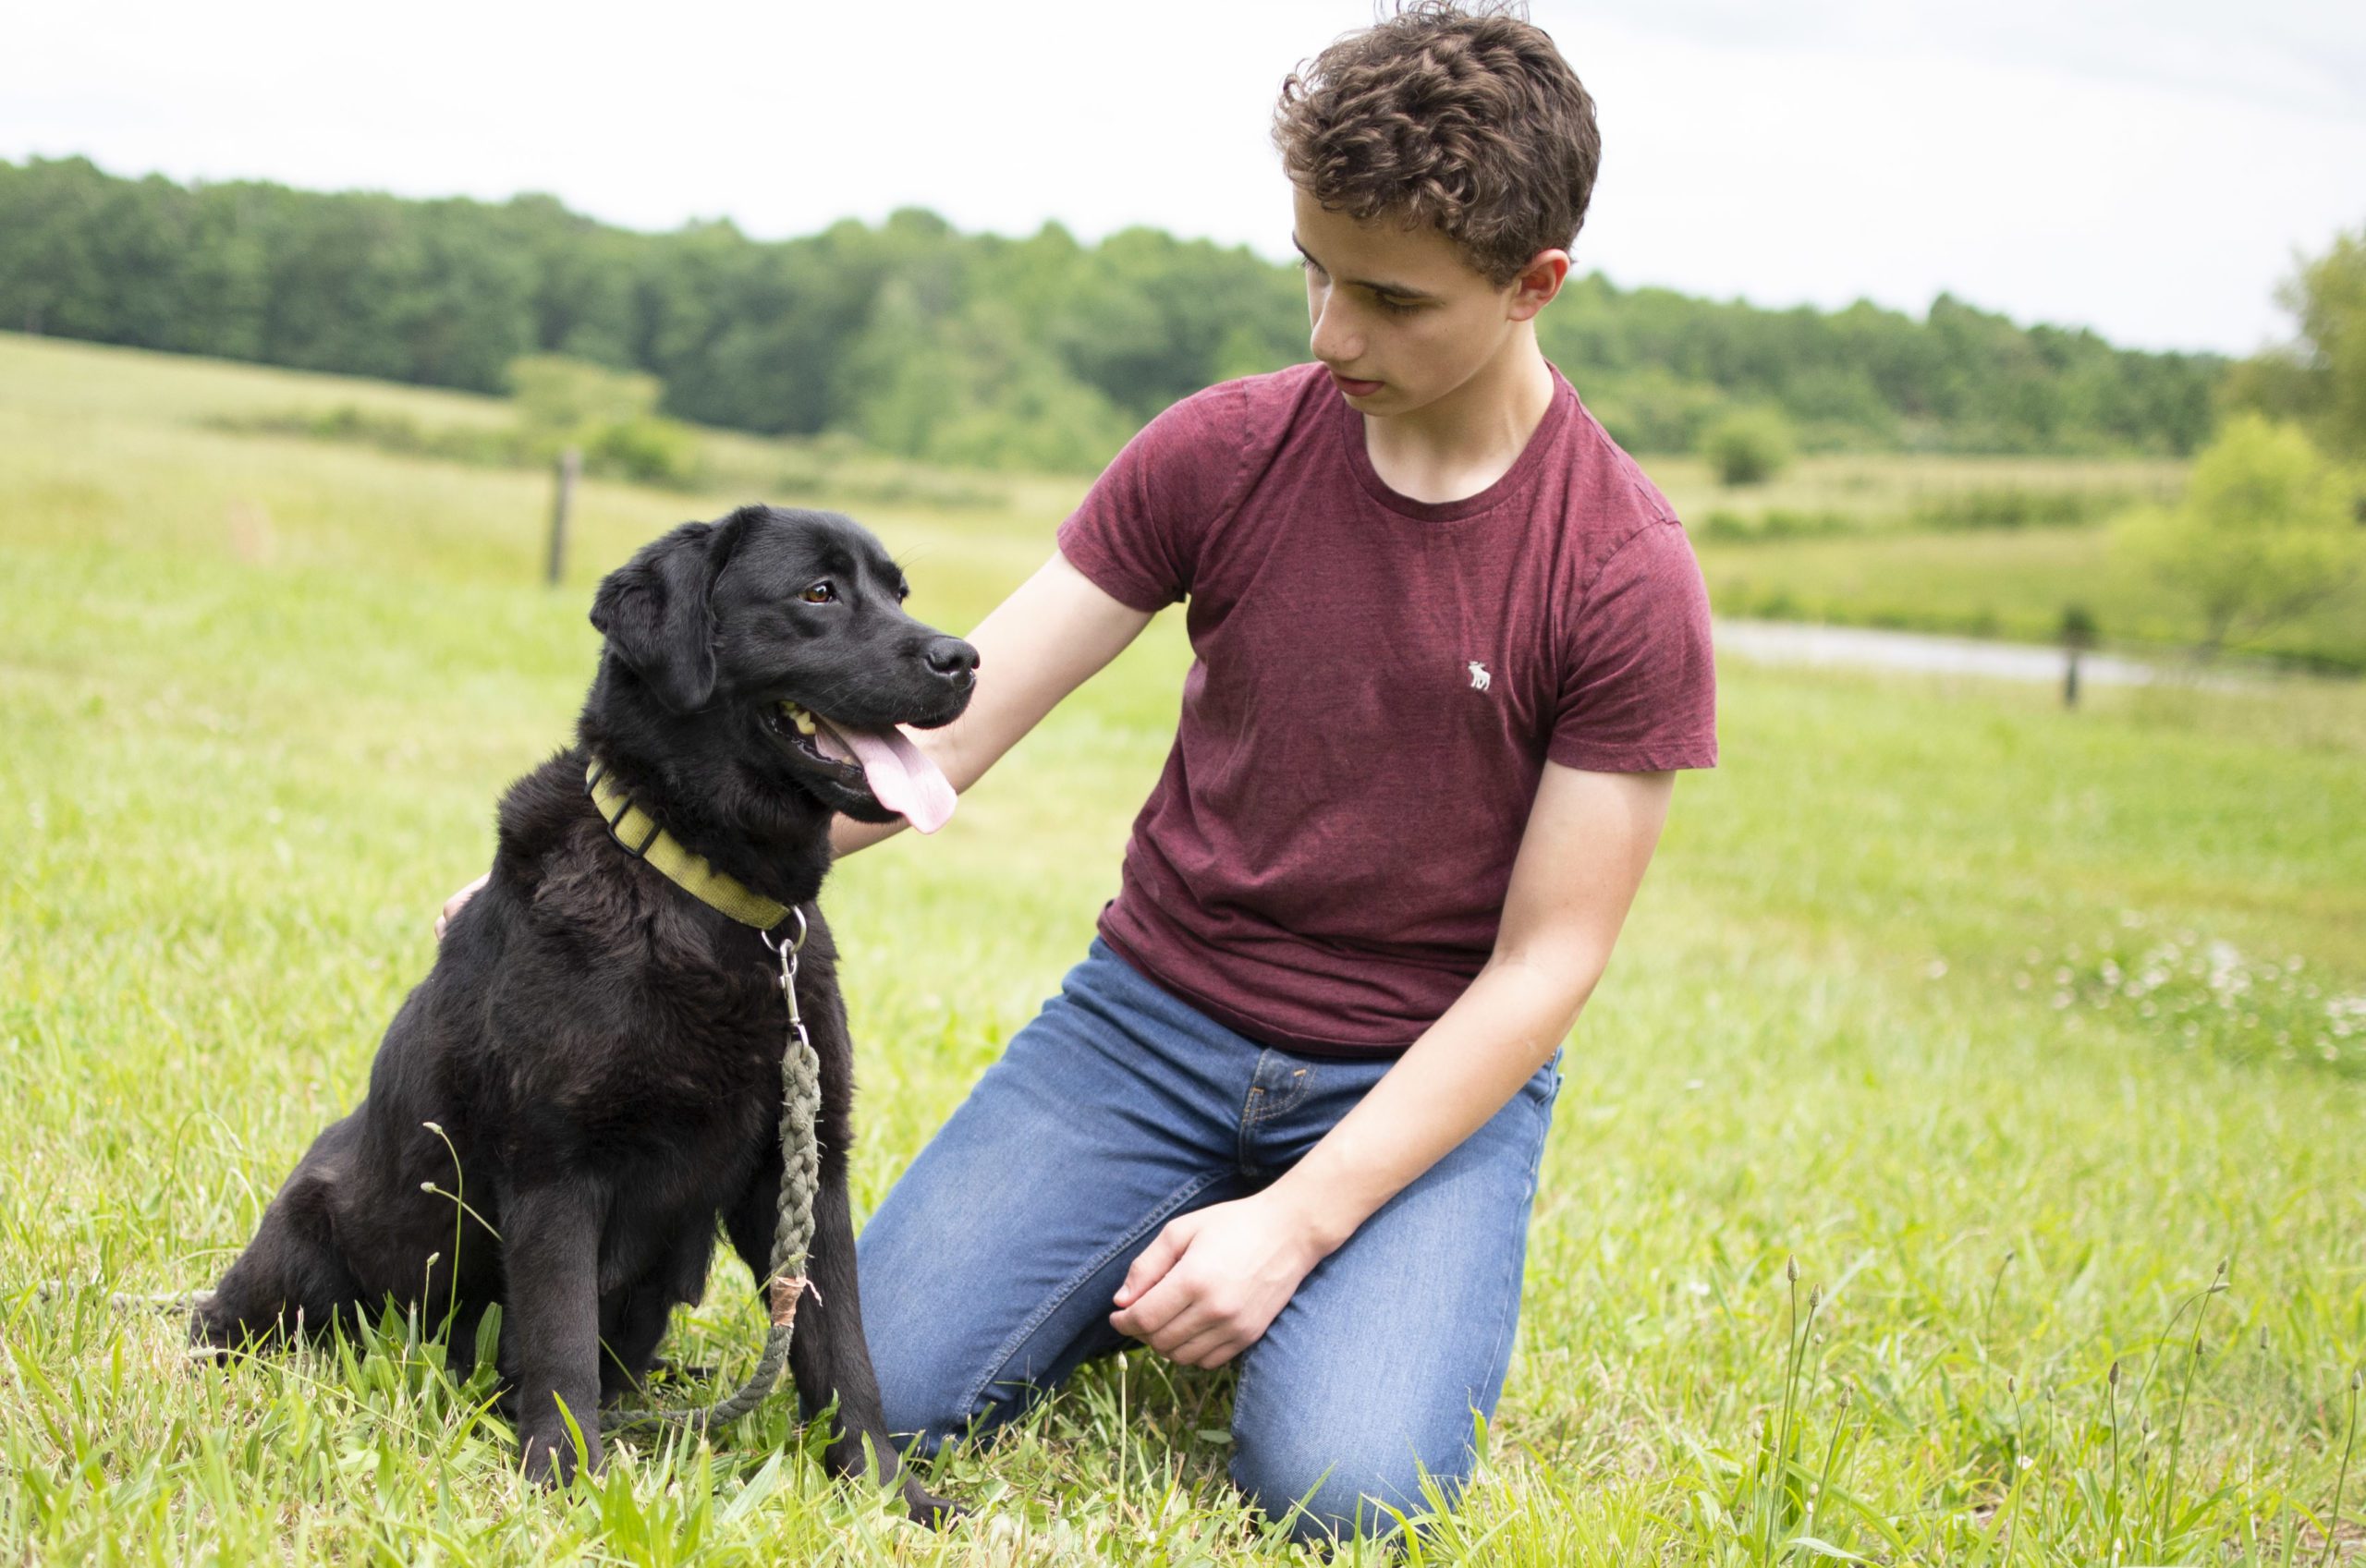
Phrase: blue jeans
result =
(987, 1272)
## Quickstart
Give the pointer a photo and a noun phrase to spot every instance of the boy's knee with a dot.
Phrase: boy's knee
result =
(925, 1410)
(919, 1406)
(1340, 1492)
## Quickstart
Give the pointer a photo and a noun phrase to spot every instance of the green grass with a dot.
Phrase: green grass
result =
(2007, 1024)
(1992, 547)
(1996, 584)
(1861, 494)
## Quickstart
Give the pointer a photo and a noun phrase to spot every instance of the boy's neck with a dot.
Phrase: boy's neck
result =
(1452, 449)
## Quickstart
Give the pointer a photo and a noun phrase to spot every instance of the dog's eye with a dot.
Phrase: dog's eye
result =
(903, 591)
(823, 592)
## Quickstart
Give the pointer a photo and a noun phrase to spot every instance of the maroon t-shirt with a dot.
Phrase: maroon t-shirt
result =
(1379, 684)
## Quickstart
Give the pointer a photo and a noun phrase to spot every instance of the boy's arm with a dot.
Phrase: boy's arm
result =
(1213, 1281)
(1055, 628)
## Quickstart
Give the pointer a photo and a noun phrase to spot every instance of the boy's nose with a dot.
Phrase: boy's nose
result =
(1332, 343)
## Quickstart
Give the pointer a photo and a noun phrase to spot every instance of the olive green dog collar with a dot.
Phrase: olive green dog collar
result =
(637, 832)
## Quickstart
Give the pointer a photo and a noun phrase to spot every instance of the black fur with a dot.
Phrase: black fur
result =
(602, 1050)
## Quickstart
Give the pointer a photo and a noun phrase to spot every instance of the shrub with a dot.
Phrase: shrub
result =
(2267, 530)
(1748, 446)
(563, 400)
(1775, 522)
(2013, 507)
(647, 450)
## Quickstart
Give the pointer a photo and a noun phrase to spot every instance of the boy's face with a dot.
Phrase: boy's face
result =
(1399, 316)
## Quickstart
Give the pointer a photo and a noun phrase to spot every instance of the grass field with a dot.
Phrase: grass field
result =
(1981, 546)
(1931, 544)
(2008, 1025)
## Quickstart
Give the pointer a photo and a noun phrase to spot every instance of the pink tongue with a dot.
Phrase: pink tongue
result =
(901, 778)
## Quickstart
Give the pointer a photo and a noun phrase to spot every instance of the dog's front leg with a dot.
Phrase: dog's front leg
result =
(551, 1331)
(831, 1359)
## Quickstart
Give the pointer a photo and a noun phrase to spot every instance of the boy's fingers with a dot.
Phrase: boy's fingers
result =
(458, 901)
(1210, 1347)
(1164, 1313)
(1152, 1266)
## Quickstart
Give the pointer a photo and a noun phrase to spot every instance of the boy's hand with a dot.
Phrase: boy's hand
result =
(1214, 1280)
(458, 902)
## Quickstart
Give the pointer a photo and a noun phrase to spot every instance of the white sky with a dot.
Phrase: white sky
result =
(2148, 169)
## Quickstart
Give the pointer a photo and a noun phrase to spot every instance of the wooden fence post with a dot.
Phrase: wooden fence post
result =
(2078, 633)
(571, 464)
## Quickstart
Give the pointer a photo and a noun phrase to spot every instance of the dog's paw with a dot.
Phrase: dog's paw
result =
(550, 1459)
(213, 1331)
(936, 1513)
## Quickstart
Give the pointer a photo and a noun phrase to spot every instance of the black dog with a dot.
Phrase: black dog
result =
(602, 1050)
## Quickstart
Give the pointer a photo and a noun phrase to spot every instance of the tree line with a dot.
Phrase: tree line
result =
(1039, 352)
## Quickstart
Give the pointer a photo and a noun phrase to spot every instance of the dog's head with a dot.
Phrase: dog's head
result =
(774, 644)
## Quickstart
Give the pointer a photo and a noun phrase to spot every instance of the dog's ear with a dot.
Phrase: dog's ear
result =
(654, 610)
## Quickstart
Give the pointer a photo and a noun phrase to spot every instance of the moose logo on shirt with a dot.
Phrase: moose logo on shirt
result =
(1480, 679)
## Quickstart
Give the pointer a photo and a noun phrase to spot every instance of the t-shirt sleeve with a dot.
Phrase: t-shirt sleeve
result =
(1138, 532)
(1640, 692)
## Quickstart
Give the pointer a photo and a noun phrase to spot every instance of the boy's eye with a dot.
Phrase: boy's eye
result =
(1394, 307)
(823, 592)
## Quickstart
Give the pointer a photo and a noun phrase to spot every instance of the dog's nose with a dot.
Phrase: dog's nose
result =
(952, 658)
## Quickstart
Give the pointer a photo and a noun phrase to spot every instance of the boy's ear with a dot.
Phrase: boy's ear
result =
(654, 610)
(1538, 283)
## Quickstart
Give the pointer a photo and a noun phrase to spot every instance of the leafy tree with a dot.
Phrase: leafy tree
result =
(563, 397)
(969, 387)
(930, 342)
(609, 415)
(2320, 379)
(2268, 529)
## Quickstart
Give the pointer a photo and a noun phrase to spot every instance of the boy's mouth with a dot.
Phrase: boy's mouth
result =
(1353, 388)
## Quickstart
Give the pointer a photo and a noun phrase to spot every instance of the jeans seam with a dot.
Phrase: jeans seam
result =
(1008, 1351)
(1499, 1341)
(1500, 1351)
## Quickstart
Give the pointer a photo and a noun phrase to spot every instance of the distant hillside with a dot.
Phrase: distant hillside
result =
(1038, 353)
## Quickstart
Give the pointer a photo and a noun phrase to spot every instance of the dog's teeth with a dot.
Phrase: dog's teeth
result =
(797, 716)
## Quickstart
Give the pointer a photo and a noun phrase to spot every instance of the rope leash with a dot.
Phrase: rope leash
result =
(800, 1178)
(128, 1301)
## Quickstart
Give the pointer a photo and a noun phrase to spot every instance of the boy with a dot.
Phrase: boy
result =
(1451, 646)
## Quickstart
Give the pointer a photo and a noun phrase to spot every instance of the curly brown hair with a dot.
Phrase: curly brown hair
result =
(1463, 116)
